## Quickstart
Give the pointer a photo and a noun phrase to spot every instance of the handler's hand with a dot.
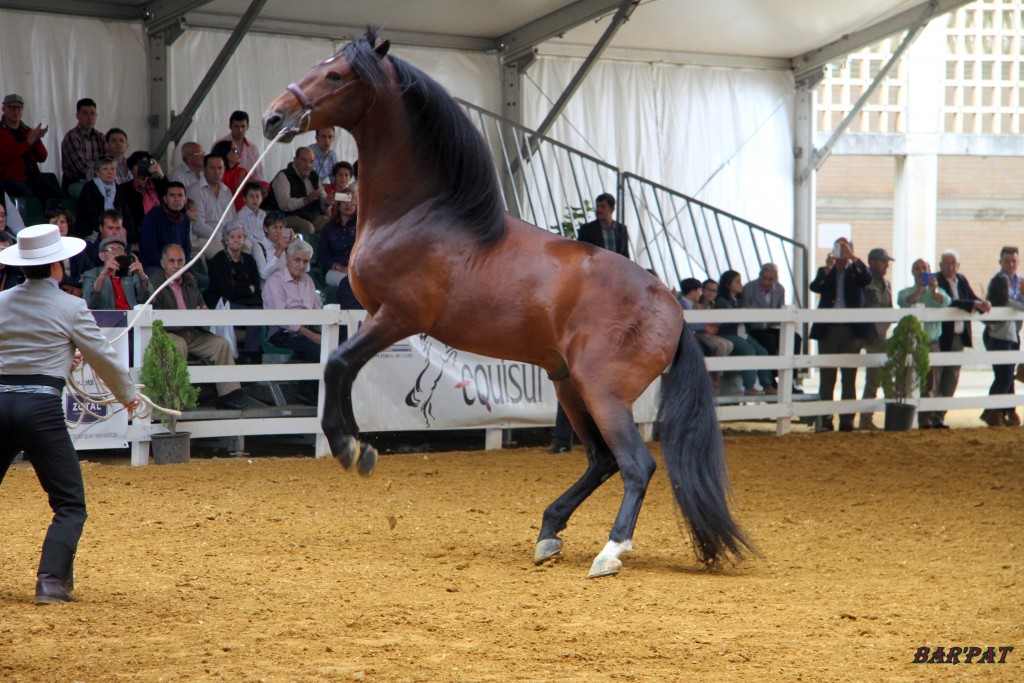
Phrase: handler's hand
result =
(77, 361)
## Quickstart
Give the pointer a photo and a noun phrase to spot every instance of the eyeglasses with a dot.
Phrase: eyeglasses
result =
(114, 250)
(194, 154)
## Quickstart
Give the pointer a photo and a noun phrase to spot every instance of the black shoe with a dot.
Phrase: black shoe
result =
(845, 427)
(236, 400)
(559, 449)
(52, 591)
(940, 425)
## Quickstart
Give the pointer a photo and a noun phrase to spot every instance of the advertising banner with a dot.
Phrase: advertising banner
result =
(99, 426)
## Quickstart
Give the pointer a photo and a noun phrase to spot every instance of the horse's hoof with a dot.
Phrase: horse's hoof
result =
(604, 566)
(367, 460)
(547, 549)
(346, 450)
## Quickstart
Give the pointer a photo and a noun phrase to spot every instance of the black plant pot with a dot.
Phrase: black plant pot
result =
(899, 417)
(171, 448)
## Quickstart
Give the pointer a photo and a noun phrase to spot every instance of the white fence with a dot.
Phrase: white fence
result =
(781, 408)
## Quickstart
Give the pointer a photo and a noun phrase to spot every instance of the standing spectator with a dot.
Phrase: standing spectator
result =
(878, 294)
(925, 292)
(841, 282)
(141, 194)
(21, 152)
(605, 231)
(183, 294)
(235, 278)
(163, 225)
(292, 288)
(117, 147)
(324, 158)
(297, 191)
(190, 170)
(213, 200)
(766, 292)
(110, 287)
(955, 335)
(730, 288)
(1002, 335)
(270, 251)
(238, 122)
(81, 146)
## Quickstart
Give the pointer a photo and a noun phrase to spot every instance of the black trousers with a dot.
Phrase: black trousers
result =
(34, 423)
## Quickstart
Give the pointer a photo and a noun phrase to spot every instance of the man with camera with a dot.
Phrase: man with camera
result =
(120, 283)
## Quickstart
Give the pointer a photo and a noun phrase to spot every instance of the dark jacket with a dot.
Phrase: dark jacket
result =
(857, 277)
(963, 298)
(231, 281)
(724, 303)
(296, 189)
(591, 233)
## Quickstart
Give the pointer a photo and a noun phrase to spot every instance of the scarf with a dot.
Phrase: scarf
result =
(108, 190)
(174, 217)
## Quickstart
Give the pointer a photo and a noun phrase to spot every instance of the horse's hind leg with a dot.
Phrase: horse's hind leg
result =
(600, 466)
(338, 420)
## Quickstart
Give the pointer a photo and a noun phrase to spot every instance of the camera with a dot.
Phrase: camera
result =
(143, 168)
(123, 263)
(837, 250)
(926, 278)
(342, 196)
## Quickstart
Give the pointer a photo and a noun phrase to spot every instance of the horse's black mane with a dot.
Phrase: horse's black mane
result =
(444, 136)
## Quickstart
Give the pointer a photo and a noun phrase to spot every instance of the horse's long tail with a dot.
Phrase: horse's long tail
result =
(694, 455)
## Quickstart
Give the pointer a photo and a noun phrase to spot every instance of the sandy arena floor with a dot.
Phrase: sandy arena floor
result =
(290, 569)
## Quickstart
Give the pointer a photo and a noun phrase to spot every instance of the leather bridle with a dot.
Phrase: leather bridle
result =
(309, 103)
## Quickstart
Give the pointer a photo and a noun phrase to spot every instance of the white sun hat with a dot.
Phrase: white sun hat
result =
(39, 245)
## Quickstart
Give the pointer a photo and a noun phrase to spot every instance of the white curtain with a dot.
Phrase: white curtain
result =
(724, 136)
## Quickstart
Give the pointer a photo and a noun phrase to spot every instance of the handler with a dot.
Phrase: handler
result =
(42, 326)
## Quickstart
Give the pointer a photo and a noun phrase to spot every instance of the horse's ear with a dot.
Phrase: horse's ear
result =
(382, 47)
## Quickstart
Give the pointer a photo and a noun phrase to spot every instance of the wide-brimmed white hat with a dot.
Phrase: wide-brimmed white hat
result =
(39, 245)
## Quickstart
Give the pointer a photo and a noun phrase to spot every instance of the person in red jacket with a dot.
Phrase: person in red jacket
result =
(21, 152)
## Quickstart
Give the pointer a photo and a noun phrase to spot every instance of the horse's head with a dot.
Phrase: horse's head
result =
(336, 92)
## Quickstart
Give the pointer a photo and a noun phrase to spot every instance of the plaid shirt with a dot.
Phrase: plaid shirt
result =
(78, 150)
(323, 163)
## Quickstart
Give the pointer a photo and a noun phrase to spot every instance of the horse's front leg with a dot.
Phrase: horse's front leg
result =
(338, 421)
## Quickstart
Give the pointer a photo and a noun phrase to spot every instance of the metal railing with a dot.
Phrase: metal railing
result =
(552, 185)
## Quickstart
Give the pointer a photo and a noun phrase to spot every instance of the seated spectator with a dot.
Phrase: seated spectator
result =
(190, 170)
(708, 336)
(336, 241)
(251, 216)
(114, 286)
(77, 264)
(163, 225)
(341, 175)
(117, 146)
(21, 152)
(80, 148)
(293, 288)
(96, 196)
(690, 291)
(297, 192)
(925, 292)
(213, 200)
(141, 194)
(269, 251)
(238, 123)
(111, 225)
(10, 276)
(324, 158)
(766, 292)
(730, 287)
(183, 294)
(234, 172)
(235, 279)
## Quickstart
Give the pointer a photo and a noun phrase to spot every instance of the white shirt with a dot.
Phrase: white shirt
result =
(184, 175)
(253, 224)
(210, 208)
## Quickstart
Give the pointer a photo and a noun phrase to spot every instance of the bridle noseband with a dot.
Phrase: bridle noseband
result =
(309, 103)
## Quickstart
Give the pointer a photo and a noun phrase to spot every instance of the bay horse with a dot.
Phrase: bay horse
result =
(436, 253)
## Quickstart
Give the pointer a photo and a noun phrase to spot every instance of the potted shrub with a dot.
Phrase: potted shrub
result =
(905, 370)
(167, 382)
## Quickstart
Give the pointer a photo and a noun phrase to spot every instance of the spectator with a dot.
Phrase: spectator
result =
(926, 292)
(840, 282)
(73, 266)
(709, 335)
(163, 225)
(81, 146)
(336, 242)
(21, 152)
(183, 294)
(270, 250)
(730, 288)
(296, 190)
(235, 279)
(341, 174)
(238, 122)
(292, 288)
(878, 294)
(111, 225)
(141, 194)
(96, 196)
(251, 216)
(324, 158)
(113, 286)
(605, 232)
(190, 170)
(213, 200)
(10, 276)
(690, 294)
(117, 146)
(766, 292)
(234, 172)
(1002, 335)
